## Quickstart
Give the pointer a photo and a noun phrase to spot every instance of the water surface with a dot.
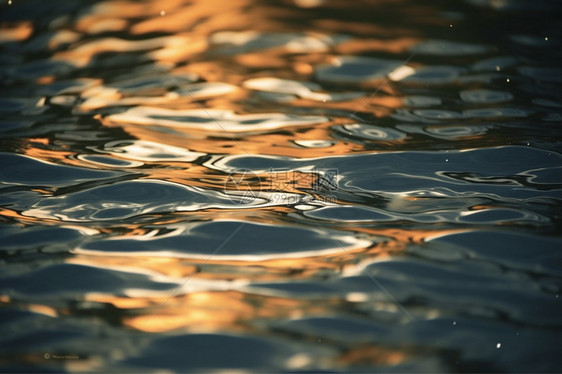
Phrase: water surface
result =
(266, 186)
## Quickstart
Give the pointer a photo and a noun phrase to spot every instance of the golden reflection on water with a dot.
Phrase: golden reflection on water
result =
(206, 312)
(232, 310)
(260, 144)
(184, 46)
(17, 31)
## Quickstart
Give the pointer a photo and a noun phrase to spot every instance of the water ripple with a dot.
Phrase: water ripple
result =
(256, 242)
(126, 199)
(485, 96)
(24, 170)
(54, 281)
(354, 70)
(370, 132)
(449, 48)
(215, 119)
(301, 185)
(142, 150)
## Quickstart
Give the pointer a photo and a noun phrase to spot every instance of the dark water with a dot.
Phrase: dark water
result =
(265, 186)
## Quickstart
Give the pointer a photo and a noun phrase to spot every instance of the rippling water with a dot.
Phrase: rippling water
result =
(316, 185)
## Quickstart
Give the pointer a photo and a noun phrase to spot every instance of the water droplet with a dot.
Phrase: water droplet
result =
(498, 346)
(163, 13)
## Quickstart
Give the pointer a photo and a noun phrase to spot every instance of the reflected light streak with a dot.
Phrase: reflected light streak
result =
(15, 32)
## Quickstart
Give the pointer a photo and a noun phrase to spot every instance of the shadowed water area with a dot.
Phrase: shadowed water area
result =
(279, 186)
